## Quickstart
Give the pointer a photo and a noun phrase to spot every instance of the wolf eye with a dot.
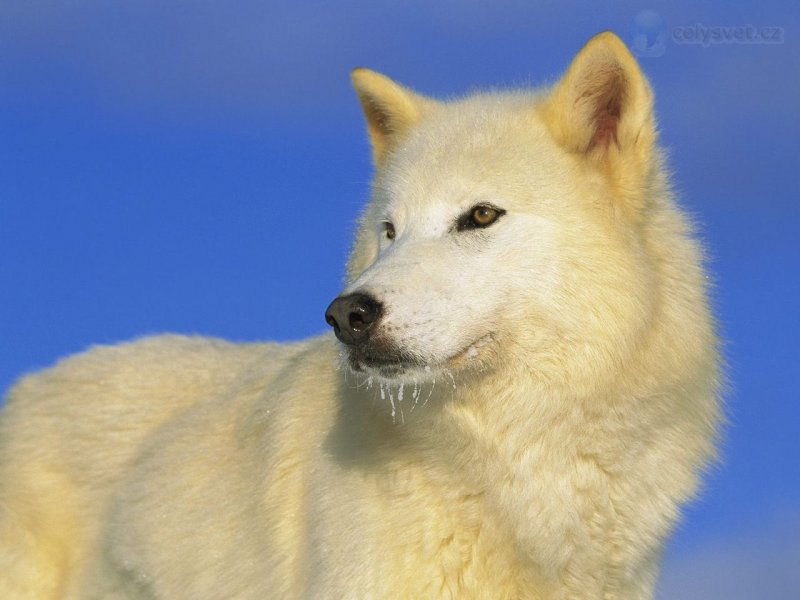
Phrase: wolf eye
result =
(388, 229)
(479, 216)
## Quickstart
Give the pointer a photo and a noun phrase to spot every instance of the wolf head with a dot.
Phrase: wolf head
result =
(508, 228)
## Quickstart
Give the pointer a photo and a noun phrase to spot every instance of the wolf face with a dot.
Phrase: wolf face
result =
(505, 225)
(455, 253)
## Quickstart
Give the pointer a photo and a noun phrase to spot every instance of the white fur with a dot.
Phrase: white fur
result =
(561, 402)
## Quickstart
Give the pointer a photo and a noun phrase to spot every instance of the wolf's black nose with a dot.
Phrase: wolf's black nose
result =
(353, 316)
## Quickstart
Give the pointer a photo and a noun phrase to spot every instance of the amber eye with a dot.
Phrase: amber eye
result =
(484, 215)
(388, 229)
(479, 216)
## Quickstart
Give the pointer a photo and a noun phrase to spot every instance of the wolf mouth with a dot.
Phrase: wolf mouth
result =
(393, 364)
(389, 365)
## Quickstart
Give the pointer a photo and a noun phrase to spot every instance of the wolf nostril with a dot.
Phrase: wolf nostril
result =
(356, 320)
(353, 316)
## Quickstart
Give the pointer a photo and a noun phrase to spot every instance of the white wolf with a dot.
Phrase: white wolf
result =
(523, 394)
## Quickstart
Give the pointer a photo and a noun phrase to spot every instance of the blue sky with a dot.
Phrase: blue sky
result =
(198, 167)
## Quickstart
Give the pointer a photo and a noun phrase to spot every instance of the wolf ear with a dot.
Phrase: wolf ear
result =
(602, 109)
(390, 109)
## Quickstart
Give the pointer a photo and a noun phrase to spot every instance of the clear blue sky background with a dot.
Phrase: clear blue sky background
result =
(198, 166)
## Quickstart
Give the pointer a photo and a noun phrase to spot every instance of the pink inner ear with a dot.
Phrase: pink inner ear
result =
(608, 99)
(606, 122)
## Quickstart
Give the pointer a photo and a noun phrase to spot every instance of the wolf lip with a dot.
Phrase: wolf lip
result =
(378, 362)
(388, 364)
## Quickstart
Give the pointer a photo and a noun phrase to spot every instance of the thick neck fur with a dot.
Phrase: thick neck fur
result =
(576, 486)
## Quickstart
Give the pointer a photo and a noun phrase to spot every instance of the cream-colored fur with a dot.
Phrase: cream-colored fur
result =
(559, 408)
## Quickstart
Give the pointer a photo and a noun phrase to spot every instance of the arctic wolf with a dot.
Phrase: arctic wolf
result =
(522, 395)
